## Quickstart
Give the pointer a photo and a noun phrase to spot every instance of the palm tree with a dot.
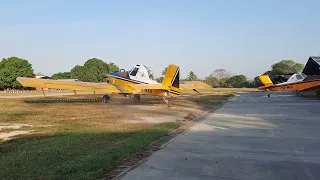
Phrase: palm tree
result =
(192, 76)
(164, 71)
(151, 76)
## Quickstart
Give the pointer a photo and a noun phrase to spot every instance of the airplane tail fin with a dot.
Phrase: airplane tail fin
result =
(171, 79)
(266, 81)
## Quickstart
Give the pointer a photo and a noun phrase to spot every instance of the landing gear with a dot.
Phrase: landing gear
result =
(318, 94)
(167, 102)
(106, 98)
(136, 97)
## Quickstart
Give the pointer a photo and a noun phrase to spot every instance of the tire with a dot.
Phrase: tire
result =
(106, 98)
(136, 97)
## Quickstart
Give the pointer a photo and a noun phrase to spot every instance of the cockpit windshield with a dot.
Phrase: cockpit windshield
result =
(134, 71)
(300, 76)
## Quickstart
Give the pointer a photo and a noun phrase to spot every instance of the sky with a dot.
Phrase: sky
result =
(244, 37)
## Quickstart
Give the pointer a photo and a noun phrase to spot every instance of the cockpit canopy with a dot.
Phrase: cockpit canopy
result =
(297, 77)
(139, 71)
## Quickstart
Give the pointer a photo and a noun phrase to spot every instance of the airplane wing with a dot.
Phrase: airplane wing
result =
(68, 85)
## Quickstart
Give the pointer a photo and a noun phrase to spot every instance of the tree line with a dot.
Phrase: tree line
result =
(223, 78)
(94, 70)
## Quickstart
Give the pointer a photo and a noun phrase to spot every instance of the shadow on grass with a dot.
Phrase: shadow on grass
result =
(84, 155)
(122, 100)
(206, 102)
(19, 113)
(61, 100)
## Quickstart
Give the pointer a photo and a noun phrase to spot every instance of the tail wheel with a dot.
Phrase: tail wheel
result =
(136, 97)
(106, 98)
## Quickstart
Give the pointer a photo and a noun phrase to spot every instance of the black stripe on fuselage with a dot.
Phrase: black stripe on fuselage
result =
(174, 92)
(129, 80)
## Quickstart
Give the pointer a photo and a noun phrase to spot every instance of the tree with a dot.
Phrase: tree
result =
(221, 74)
(237, 81)
(164, 71)
(96, 70)
(192, 76)
(257, 82)
(211, 80)
(93, 70)
(112, 67)
(14, 67)
(39, 74)
(151, 76)
(79, 72)
(223, 82)
(286, 67)
(61, 75)
(248, 84)
(159, 80)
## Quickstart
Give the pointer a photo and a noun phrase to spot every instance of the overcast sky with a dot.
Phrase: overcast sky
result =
(242, 36)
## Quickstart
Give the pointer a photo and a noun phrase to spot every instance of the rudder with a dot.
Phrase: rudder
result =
(266, 80)
(171, 79)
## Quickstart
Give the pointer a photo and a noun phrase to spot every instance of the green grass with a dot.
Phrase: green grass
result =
(81, 140)
(18, 113)
(86, 155)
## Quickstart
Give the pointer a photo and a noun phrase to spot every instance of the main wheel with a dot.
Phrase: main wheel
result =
(136, 97)
(106, 98)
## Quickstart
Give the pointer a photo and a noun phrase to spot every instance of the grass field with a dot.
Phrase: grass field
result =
(84, 140)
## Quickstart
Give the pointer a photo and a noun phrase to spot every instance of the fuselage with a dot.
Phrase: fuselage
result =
(137, 75)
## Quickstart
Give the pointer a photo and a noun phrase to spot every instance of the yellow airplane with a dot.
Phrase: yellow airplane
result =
(298, 82)
(133, 83)
(307, 80)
